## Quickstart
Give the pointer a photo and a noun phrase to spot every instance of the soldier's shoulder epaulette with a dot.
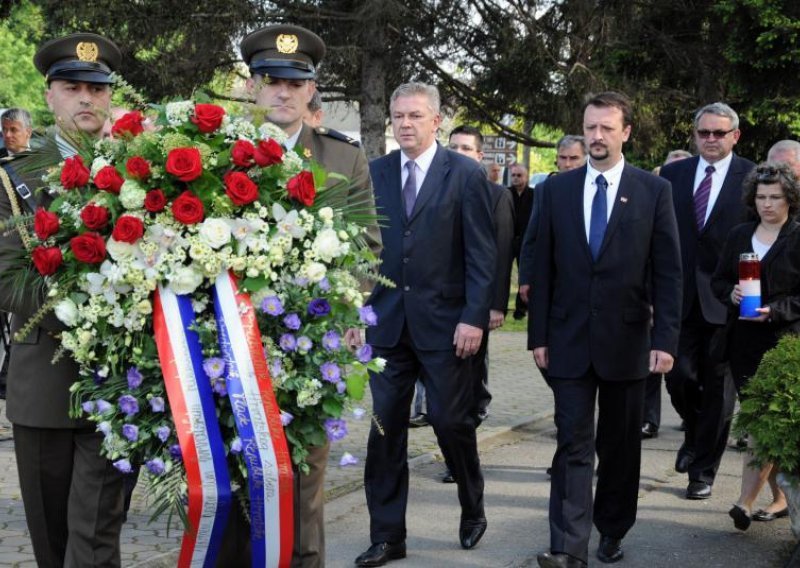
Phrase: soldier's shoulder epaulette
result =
(336, 135)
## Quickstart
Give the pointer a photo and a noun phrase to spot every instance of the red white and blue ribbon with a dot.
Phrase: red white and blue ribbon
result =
(193, 411)
(255, 410)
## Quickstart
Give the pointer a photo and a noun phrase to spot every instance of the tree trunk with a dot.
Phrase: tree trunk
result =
(373, 86)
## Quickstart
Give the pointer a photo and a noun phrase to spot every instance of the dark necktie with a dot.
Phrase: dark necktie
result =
(599, 220)
(701, 198)
(410, 187)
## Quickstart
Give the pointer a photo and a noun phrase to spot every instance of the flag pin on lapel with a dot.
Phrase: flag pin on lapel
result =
(623, 199)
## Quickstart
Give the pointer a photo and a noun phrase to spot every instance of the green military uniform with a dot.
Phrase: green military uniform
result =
(72, 495)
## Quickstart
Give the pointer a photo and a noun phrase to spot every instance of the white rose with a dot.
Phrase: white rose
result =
(67, 312)
(325, 214)
(215, 232)
(185, 280)
(326, 245)
(315, 271)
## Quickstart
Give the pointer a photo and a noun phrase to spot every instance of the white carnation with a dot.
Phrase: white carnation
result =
(132, 195)
(120, 251)
(314, 271)
(67, 312)
(325, 214)
(185, 280)
(326, 245)
(216, 233)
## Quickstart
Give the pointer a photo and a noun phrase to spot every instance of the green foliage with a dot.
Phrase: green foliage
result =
(770, 408)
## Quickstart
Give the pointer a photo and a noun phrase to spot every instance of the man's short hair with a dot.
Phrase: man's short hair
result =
(614, 100)
(315, 104)
(469, 131)
(519, 166)
(571, 139)
(412, 89)
(718, 109)
(18, 114)
(786, 146)
(677, 155)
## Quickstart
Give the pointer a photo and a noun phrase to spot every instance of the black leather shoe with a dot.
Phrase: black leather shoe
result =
(684, 459)
(470, 532)
(610, 550)
(448, 477)
(698, 490)
(381, 553)
(649, 430)
(418, 421)
(741, 518)
(558, 560)
(766, 516)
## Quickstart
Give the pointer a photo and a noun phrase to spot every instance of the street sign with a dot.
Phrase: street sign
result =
(498, 150)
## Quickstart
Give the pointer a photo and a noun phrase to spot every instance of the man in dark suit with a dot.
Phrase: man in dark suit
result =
(522, 196)
(606, 232)
(439, 249)
(73, 496)
(707, 193)
(17, 129)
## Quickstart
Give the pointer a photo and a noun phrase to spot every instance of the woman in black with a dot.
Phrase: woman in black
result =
(771, 191)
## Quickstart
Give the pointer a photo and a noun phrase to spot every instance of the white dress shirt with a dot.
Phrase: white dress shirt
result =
(720, 171)
(422, 165)
(590, 188)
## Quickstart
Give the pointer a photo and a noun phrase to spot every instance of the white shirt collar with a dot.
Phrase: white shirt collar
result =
(720, 166)
(612, 175)
(291, 141)
(423, 161)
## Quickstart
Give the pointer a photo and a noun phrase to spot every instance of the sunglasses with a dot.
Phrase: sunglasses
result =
(716, 133)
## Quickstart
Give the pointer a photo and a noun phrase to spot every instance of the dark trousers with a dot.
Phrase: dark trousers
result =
(72, 496)
(482, 395)
(702, 395)
(520, 306)
(652, 399)
(449, 384)
(618, 446)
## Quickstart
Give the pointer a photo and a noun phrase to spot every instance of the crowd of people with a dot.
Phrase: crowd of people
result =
(626, 276)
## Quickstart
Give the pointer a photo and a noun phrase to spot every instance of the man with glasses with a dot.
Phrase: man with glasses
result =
(522, 194)
(707, 194)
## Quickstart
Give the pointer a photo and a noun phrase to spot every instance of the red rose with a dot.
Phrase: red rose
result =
(155, 201)
(128, 229)
(207, 117)
(188, 209)
(74, 173)
(138, 168)
(240, 188)
(242, 153)
(108, 179)
(94, 216)
(46, 259)
(301, 188)
(184, 163)
(89, 248)
(131, 123)
(45, 223)
(268, 152)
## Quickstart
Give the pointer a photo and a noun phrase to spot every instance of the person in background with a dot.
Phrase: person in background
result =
(771, 191)
(17, 129)
(522, 195)
(314, 112)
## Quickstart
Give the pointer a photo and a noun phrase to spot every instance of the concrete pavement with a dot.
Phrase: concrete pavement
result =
(516, 444)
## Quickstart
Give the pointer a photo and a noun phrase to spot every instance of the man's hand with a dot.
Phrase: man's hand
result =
(524, 290)
(467, 340)
(542, 357)
(496, 319)
(660, 361)
(353, 338)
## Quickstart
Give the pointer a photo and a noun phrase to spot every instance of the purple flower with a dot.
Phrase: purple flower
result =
(292, 321)
(324, 285)
(341, 386)
(331, 372)
(220, 387)
(348, 459)
(301, 281)
(88, 406)
(331, 341)
(128, 404)
(103, 406)
(163, 432)
(275, 367)
(130, 432)
(335, 428)
(175, 452)
(286, 418)
(272, 305)
(214, 367)
(236, 445)
(105, 428)
(123, 465)
(319, 307)
(304, 344)
(367, 315)
(157, 404)
(358, 413)
(364, 353)
(134, 378)
(155, 466)
(287, 342)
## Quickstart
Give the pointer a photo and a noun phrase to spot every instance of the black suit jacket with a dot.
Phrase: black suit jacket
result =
(528, 240)
(442, 258)
(701, 250)
(598, 312)
(503, 219)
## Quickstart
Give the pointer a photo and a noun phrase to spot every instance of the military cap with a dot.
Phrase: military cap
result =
(283, 52)
(86, 57)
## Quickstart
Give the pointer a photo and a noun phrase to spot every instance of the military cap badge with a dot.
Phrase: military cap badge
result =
(286, 43)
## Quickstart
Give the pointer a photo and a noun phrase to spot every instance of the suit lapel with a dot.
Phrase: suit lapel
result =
(576, 204)
(390, 191)
(619, 208)
(788, 228)
(434, 180)
(730, 191)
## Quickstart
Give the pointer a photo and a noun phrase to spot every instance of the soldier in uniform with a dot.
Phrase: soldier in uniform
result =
(72, 495)
(283, 60)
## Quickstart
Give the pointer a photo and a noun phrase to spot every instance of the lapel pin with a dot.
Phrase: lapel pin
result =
(623, 199)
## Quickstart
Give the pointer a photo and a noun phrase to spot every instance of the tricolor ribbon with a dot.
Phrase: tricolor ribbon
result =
(193, 411)
(255, 410)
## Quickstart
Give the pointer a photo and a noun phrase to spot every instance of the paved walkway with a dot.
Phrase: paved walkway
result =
(519, 395)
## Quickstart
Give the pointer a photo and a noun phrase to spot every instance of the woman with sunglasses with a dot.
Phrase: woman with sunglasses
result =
(772, 192)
